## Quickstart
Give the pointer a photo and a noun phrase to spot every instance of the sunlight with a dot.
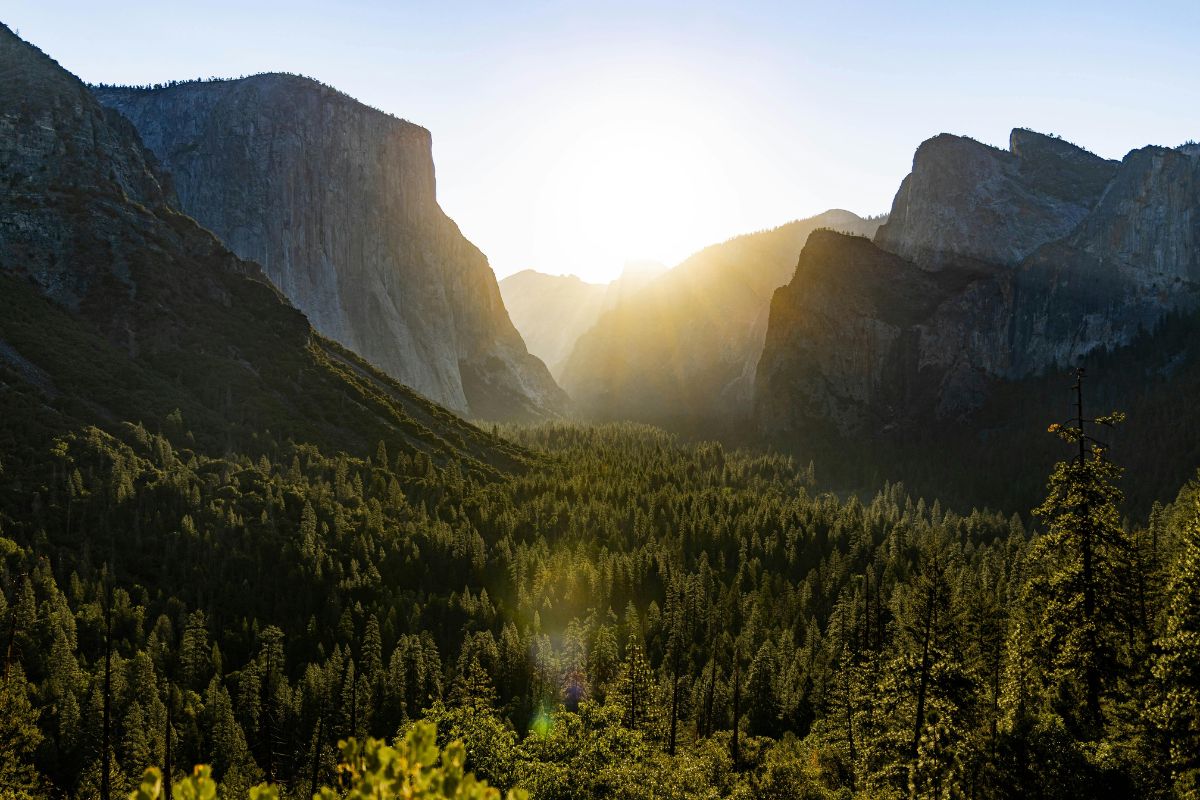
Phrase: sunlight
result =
(639, 187)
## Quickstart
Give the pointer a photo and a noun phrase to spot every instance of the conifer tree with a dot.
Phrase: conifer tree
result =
(1083, 549)
(1177, 666)
(635, 686)
(20, 735)
(763, 709)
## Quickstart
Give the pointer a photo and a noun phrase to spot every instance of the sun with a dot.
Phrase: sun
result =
(640, 186)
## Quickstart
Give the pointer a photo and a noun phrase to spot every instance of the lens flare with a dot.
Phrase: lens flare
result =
(542, 723)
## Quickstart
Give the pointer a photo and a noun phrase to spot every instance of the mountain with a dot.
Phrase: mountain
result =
(117, 309)
(336, 201)
(683, 350)
(964, 198)
(553, 311)
(846, 333)
(996, 270)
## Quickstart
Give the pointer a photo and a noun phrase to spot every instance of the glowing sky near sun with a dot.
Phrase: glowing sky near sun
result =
(573, 137)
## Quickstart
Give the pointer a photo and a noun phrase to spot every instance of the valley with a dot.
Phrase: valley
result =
(294, 488)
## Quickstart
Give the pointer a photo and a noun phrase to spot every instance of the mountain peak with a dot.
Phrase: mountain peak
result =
(1024, 139)
(966, 199)
(111, 296)
(279, 87)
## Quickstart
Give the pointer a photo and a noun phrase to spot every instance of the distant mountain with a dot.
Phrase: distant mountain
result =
(684, 348)
(553, 311)
(117, 309)
(337, 202)
(996, 268)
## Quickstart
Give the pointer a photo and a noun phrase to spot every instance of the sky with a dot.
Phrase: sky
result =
(575, 137)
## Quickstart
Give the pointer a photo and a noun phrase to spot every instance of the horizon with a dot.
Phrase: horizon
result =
(570, 140)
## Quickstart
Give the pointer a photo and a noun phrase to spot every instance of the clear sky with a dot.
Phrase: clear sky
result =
(572, 137)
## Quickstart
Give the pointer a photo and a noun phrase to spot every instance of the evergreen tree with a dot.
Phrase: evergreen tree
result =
(20, 735)
(635, 687)
(1081, 594)
(763, 709)
(1177, 666)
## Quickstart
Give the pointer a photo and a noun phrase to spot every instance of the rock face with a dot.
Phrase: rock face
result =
(993, 267)
(964, 198)
(115, 306)
(862, 337)
(683, 350)
(1135, 257)
(337, 202)
(60, 149)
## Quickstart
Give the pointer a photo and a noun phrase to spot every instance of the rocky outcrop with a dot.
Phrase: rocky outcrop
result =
(964, 198)
(1004, 264)
(337, 202)
(684, 349)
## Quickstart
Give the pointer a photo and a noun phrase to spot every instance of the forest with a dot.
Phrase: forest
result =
(616, 613)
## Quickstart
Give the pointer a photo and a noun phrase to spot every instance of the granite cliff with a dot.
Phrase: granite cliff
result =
(964, 198)
(116, 308)
(336, 201)
(848, 341)
(994, 269)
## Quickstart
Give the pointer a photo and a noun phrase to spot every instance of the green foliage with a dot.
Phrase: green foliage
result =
(561, 621)
(1083, 607)
(371, 770)
(20, 735)
(413, 769)
(1178, 665)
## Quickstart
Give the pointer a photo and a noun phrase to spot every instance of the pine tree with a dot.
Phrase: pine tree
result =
(1083, 549)
(20, 736)
(635, 687)
(735, 746)
(603, 660)
(473, 689)
(763, 710)
(1177, 666)
(135, 753)
(195, 653)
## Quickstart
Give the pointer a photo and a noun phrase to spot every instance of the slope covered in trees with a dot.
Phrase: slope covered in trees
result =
(631, 612)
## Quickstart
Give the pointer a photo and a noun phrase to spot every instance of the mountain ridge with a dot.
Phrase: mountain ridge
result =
(1039, 267)
(553, 311)
(683, 350)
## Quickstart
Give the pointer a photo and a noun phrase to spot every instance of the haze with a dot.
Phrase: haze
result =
(571, 137)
